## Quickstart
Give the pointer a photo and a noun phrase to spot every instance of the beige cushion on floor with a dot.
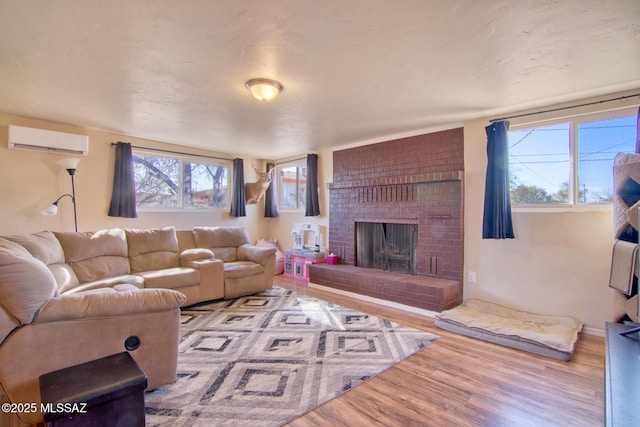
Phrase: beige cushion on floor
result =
(556, 332)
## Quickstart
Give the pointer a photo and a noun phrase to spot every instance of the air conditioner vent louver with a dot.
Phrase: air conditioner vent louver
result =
(47, 140)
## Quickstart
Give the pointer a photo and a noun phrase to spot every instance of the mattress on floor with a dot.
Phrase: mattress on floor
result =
(545, 335)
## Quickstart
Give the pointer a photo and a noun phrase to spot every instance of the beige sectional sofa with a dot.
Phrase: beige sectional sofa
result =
(68, 298)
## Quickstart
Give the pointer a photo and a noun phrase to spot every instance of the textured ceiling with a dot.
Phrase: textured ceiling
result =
(352, 70)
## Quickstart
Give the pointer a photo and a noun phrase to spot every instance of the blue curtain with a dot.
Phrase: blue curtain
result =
(270, 199)
(496, 223)
(638, 132)
(123, 194)
(312, 207)
(238, 207)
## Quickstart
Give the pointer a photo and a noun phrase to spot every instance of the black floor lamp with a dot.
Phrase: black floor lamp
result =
(70, 165)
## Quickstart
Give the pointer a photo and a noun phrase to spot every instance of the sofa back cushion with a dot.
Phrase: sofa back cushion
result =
(223, 241)
(186, 240)
(45, 247)
(7, 323)
(25, 283)
(95, 256)
(153, 249)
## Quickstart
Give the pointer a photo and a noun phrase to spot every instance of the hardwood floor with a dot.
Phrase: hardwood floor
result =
(460, 381)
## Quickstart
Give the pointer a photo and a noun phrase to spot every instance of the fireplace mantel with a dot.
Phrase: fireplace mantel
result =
(399, 180)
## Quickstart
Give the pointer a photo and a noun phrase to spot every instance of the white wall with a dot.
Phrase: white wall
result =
(559, 261)
(281, 226)
(31, 180)
(557, 264)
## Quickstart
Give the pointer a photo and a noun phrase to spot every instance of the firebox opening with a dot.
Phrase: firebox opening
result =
(386, 246)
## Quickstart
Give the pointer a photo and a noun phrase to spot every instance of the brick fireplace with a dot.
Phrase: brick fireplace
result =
(417, 181)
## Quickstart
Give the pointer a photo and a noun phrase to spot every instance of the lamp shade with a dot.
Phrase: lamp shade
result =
(70, 163)
(50, 210)
(264, 89)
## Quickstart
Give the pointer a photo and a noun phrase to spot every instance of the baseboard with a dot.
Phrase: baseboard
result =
(587, 331)
(593, 331)
(390, 304)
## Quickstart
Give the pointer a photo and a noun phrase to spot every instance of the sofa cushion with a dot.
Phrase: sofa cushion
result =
(195, 254)
(262, 243)
(185, 239)
(121, 300)
(25, 282)
(214, 237)
(171, 278)
(223, 241)
(256, 254)
(225, 254)
(7, 323)
(235, 270)
(152, 249)
(65, 277)
(45, 247)
(109, 282)
(95, 256)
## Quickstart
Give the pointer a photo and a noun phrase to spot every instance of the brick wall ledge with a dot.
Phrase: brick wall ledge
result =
(428, 293)
(399, 180)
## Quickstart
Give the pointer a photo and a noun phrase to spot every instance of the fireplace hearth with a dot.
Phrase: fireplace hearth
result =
(396, 208)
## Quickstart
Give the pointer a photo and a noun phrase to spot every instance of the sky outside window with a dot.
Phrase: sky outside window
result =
(598, 144)
(539, 164)
(540, 160)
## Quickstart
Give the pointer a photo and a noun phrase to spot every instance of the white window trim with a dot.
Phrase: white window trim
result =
(181, 159)
(288, 164)
(574, 121)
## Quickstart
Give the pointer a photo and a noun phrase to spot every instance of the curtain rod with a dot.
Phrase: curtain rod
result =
(113, 144)
(289, 160)
(564, 108)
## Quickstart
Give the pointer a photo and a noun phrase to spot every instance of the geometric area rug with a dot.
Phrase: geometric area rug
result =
(265, 359)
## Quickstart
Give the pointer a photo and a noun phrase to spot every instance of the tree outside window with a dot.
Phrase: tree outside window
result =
(168, 182)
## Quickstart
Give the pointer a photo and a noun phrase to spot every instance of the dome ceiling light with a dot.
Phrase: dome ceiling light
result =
(264, 89)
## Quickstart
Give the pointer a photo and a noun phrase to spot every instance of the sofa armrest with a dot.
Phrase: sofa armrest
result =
(257, 254)
(187, 257)
(211, 278)
(108, 302)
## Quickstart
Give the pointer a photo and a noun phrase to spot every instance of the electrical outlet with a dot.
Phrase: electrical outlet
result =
(472, 277)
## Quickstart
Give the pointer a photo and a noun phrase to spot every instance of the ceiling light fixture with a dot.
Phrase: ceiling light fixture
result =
(264, 89)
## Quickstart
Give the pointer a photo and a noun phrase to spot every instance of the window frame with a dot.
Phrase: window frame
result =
(574, 121)
(181, 159)
(300, 204)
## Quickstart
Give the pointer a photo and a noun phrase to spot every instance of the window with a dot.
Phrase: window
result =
(292, 185)
(176, 182)
(569, 162)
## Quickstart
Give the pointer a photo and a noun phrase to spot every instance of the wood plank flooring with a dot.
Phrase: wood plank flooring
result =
(460, 381)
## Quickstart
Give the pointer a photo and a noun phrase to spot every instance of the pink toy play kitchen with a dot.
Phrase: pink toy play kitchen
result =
(298, 259)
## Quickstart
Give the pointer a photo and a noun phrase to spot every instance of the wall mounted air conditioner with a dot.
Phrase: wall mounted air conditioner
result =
(47, 140)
